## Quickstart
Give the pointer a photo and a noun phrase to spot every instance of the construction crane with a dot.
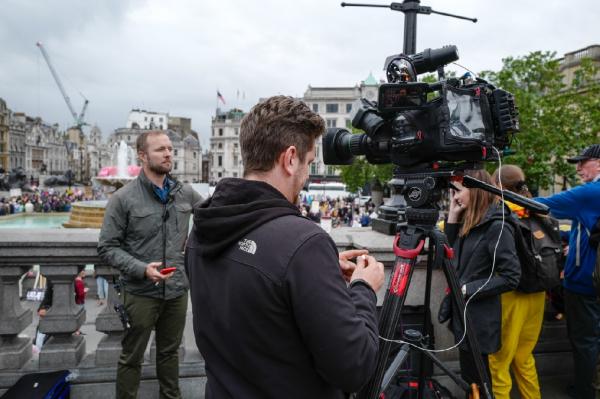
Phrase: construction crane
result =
(78, 119)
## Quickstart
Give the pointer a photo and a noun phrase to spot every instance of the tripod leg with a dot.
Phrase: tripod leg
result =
(407, 245)
(452, 279)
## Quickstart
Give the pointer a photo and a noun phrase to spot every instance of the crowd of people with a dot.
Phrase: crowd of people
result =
(47, 200)
(343, 212)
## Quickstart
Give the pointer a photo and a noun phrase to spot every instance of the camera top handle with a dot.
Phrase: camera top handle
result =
(410, 8)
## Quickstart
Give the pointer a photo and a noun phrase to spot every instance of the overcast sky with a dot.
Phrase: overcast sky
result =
(172, 56)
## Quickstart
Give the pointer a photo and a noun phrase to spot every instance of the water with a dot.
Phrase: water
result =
(26, 221)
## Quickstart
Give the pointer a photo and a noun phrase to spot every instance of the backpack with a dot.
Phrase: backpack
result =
(539, 248)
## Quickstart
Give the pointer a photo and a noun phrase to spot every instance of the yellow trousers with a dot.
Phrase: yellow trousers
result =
(522, 317)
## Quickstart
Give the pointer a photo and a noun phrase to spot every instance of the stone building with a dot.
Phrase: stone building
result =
(4, 128)
(142, 119)
(192, 159)
(17, 141)
(571, 62)
(225, 158)
(334, 104)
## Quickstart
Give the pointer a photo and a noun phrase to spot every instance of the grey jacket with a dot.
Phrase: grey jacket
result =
(138, 229)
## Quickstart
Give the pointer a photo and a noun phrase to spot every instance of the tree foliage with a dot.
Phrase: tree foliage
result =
(556, 120)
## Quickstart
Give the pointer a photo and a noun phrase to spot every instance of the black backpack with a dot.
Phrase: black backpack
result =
(539, 249)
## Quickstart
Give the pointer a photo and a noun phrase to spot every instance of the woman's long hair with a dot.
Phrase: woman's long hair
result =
(513, 179)
(479, 201)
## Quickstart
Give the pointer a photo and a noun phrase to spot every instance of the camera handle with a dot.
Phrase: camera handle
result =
(409, 242)
(410, 8)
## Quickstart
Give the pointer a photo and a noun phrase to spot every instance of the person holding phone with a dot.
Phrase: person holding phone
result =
(145, 227)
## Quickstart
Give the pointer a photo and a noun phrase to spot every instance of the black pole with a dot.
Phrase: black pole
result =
(410, 26)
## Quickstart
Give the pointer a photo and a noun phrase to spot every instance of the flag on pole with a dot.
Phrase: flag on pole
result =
(220, 97)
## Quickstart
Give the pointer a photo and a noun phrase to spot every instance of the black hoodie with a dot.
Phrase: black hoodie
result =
(273, 316)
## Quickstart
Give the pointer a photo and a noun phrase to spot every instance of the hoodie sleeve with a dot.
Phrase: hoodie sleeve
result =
(338, 323)
(507, 270)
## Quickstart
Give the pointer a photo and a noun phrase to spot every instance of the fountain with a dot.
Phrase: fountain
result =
(90, 214)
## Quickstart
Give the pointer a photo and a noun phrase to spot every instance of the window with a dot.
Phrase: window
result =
(331, 123)
(348, 108)
(145, 119)
(348, 123)
(176, 166)
(237, 131)
(220, 162)
(151, 119)
(128, 138)
(316, 107)
(220, 174)
(331, 108)
(175, 153)
(235, 161)
(220, 146)
(313, 168)
(160, 119)
(194, 154)
(330, 170)
(235, 145)
(220, 131)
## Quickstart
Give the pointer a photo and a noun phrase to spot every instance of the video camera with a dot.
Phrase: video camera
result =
(462, 123)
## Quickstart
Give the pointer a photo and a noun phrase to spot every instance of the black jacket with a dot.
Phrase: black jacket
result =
(474, 254)
(273, 316)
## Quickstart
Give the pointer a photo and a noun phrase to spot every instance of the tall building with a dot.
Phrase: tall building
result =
(334, 104)
(4, 129)
(225, 156)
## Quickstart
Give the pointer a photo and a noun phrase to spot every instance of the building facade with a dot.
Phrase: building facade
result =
(4, 134)
(225, 159)
(334, 104)
(571, 62)
(142, 119)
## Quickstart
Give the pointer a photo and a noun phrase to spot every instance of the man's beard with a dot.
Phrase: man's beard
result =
(158, 168)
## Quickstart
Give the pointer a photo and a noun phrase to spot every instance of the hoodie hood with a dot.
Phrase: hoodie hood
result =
(236, 208)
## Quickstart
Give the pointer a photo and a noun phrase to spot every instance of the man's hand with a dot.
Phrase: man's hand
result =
(153, 274)
(42, 312)
(346, 266)
(369, 270)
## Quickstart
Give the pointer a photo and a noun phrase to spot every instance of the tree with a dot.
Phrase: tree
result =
(556, 120)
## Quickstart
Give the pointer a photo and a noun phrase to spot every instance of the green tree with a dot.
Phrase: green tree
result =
(555, 120)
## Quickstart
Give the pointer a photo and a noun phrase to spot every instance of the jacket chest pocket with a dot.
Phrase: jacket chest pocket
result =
(144, 222)
(183, 212)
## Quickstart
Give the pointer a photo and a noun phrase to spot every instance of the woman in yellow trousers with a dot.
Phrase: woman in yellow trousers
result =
(522, 317)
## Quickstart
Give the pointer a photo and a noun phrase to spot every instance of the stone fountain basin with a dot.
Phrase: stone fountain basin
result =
(86, 214)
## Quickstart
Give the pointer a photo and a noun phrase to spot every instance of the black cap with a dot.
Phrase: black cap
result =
(592, 151)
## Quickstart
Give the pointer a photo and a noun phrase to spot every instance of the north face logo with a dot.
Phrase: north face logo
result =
(247, 246)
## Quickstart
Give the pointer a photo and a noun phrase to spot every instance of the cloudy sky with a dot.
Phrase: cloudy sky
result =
(172, 56)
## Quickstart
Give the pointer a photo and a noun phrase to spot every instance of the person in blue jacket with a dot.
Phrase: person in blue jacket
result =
(581, 205)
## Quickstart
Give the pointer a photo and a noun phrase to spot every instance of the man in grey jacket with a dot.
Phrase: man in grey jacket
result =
(144, 231)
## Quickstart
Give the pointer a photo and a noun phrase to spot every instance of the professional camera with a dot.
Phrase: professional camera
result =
(463, 122)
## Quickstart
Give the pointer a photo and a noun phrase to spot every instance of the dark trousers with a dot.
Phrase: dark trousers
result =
(167, 317)
(468, 371)
(583, 326)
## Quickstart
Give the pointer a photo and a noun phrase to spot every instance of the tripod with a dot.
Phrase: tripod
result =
(421, 193)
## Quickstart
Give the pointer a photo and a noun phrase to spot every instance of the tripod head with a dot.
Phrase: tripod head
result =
(416, 194)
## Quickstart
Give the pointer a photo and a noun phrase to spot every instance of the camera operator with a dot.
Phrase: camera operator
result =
(144, 231)
(581, 204)
(273, 316)
(473, 229)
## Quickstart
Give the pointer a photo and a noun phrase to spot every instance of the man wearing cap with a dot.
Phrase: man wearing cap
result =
(581, 205)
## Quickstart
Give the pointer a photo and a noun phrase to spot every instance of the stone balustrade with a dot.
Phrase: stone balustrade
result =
(60, 252)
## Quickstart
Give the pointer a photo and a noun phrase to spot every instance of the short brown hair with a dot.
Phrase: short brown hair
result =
(141, 143)
(479, 201)
(273, 125)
